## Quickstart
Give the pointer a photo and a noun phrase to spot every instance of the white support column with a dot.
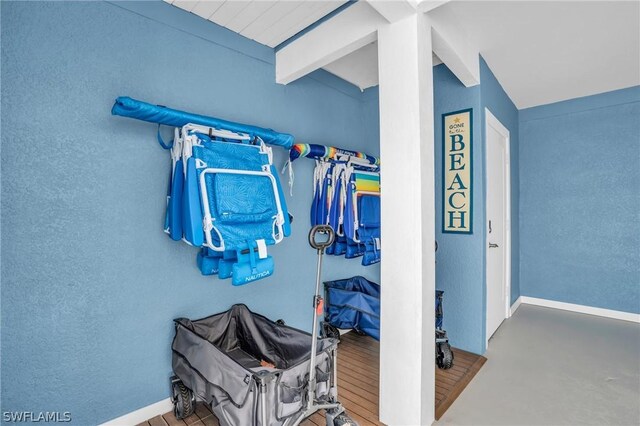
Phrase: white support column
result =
(407, 372)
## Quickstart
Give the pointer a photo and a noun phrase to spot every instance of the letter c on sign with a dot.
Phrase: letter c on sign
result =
(451, 199)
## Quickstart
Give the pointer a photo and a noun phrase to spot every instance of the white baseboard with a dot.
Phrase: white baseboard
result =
(582, 309)
(143, 414)
(516, 305)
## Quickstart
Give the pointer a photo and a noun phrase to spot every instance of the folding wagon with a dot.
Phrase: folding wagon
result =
(252, 371)
(352, 303)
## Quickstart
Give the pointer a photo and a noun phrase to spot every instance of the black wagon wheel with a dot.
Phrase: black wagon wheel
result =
(359, 332)
(344, 420)
(445, 356)
(329, 330)
(183, 400)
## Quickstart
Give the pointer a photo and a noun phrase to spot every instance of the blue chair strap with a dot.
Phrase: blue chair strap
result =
(161, 141)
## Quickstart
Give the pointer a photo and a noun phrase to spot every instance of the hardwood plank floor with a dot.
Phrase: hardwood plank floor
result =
(450, 383)
(358, 389)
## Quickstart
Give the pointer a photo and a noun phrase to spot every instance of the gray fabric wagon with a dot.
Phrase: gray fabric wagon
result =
(252, 371)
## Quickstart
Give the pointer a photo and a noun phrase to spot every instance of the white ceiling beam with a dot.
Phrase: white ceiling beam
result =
(425, 6)
(451, 44)
(358, 25)
(394, 10)
(346, 32)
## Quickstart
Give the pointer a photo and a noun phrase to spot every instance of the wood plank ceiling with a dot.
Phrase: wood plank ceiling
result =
(267, 22)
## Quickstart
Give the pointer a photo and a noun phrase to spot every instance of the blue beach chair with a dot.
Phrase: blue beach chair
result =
(239, 208)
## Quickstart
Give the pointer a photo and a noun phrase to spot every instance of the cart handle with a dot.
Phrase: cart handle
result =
(325, 230)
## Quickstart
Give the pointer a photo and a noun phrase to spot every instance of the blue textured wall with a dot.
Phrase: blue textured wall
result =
(497, 101)
(459, 259)
(579, 201)
(90, 283)
(371, 116)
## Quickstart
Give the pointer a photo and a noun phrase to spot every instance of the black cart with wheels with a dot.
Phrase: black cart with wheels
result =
(444, 355)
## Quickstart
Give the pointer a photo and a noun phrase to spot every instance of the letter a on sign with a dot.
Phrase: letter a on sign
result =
(457, 212)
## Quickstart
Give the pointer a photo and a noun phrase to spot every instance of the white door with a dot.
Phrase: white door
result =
(498, 226)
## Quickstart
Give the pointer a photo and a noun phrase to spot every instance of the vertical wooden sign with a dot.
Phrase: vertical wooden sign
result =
(457, 172)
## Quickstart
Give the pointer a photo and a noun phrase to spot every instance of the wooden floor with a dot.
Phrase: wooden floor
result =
(450, 383)
(358, 359)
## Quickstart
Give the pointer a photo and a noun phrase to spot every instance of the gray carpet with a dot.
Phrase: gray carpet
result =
(552, 367)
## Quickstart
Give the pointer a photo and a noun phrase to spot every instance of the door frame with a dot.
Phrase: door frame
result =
(492, 122)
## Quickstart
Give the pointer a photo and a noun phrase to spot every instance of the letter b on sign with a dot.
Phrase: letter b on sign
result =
(457, 143)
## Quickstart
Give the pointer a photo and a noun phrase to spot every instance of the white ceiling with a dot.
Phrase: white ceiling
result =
(267, 22)
(540, 51)
(549, 51)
